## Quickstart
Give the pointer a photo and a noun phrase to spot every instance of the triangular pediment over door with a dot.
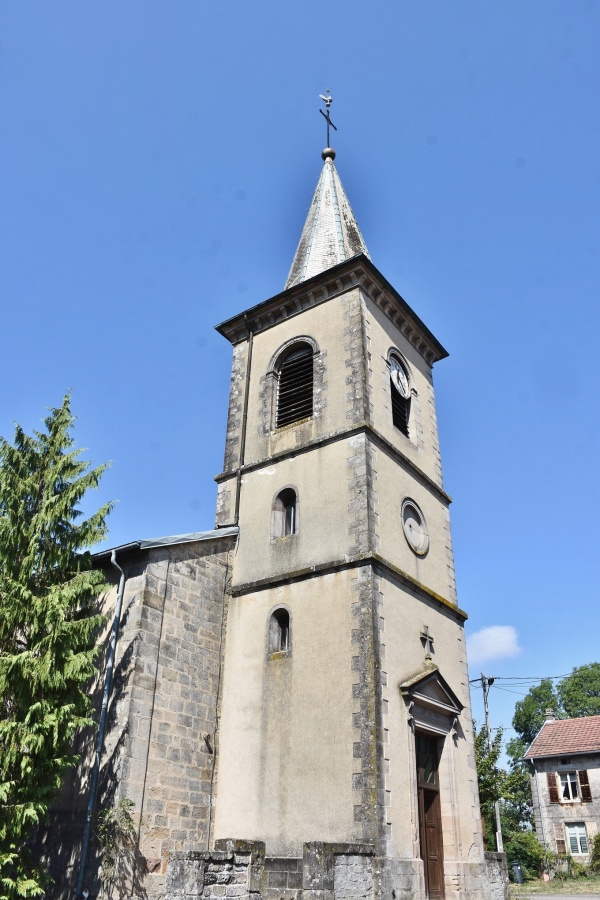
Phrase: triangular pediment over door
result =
(431, 702)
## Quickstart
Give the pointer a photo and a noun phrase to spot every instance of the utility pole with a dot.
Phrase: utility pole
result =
(486, 684)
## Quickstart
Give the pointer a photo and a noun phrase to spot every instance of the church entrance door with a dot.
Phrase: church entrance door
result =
(430, 821)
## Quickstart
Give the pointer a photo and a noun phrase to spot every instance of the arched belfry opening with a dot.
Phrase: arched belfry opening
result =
(285, 513)
(295, 382)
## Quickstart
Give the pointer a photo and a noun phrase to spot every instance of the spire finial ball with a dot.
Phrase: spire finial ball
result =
(328, 153)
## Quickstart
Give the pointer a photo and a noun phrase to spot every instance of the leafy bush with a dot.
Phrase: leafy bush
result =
(595, 858)
(525, 848)
(116, 833)
(576, 869)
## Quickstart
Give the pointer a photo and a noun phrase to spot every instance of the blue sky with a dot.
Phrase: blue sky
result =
(158, 161)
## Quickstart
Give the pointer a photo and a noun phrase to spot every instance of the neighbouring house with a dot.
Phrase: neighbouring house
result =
(565, 784)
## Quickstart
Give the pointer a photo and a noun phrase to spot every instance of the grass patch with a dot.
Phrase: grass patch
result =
(589, 885)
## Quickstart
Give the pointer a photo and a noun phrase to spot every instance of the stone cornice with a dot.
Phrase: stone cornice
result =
(356, 272)
(354, 562)
(361, 428)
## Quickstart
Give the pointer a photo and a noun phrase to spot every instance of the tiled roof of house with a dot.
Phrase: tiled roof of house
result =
(563, 736)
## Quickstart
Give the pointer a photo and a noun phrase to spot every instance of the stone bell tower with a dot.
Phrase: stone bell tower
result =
(345, 719)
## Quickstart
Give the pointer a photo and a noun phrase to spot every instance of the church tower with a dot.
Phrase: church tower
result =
(285, 698)
(345, 736)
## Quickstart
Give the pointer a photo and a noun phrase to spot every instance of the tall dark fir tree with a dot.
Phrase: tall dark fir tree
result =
(49, 625)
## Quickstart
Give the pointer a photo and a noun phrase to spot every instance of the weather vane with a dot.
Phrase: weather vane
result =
(328, 101)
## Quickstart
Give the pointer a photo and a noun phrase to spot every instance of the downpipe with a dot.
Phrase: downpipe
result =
(79, 892)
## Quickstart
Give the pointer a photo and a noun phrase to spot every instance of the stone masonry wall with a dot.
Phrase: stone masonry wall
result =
(497, 872)
(353, 877)
(160, 741)
(233, 871)
(557, 815)
(169, 755)
(239, 869)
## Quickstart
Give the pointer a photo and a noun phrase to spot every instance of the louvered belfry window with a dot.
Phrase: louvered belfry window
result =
(295, 388)
(400, 411)
(400, 390)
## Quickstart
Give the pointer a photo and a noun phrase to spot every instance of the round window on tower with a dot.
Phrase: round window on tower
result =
(415, 527)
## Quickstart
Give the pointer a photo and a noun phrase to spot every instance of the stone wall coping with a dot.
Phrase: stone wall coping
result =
(493, 854)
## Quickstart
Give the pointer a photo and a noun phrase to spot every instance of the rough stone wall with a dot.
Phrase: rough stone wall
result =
(159, 747)
(353, 877)
(239, 869)
(283, 878)
(233, 871)
(168, 764)
(59, 842)
(551, 818)
(497, 873)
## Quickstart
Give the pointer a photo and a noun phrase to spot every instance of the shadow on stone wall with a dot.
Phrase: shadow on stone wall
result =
(58, 841)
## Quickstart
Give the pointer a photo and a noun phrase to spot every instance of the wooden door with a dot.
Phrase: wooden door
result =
(430, 822)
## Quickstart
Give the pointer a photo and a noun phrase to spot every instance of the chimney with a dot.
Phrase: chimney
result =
(549, 717)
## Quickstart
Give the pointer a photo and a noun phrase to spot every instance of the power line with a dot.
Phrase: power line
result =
(523, 678)
(508, 691)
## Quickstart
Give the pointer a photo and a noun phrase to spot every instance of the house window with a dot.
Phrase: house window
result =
(295, 385)
(285, 514)
(400, 391)
(569, 788)
(279, 631)
(577, 838)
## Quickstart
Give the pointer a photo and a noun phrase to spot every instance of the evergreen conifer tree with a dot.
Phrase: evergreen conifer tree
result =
(49, 625)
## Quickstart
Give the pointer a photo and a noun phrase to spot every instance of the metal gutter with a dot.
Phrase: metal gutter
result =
(169, 540)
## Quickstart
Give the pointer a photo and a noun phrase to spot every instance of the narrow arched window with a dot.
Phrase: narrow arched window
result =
(285, 513)
(400, 390)
(295, 385)
(279, 631)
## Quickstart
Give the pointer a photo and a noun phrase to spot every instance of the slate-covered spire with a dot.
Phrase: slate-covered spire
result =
(330, 234)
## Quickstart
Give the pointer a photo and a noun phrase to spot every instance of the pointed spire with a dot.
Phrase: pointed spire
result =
(330, 234)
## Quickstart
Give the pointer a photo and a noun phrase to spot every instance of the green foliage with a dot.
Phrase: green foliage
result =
(524, 847)
(116, 831)
(576, 869)
(530, 712)
(579, 692)
(491, 779)
(48, 628)
(516, 806)
(595, 856)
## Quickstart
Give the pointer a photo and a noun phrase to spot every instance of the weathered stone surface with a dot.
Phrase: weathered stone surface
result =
(497, 875)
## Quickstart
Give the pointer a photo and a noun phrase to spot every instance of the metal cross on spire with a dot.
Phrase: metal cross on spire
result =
(328, 101)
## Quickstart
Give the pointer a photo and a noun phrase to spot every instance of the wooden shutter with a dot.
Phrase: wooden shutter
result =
(552, 787)
(584, 784)
(559, 835)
